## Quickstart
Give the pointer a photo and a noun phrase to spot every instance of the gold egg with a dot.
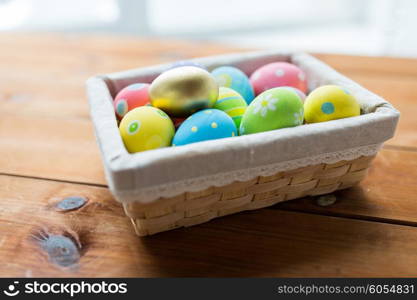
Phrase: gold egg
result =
(184, 90)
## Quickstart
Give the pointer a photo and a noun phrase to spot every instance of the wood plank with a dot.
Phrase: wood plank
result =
(394, 66)
(94, 51)
(271, 242)
(50, 148)
(55, 74)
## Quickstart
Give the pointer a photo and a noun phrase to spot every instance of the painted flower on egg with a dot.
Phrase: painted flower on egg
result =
(299, 117)
(267, 102)
(273, 109)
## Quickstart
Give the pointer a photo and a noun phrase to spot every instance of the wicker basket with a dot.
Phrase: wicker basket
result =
(170, 205)
(194, 208)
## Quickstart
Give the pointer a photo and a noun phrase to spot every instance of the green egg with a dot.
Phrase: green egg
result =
(273, 109)
(232, 103)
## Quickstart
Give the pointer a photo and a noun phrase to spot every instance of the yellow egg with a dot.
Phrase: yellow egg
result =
(330, 102)
(184, 90)
(145, 128)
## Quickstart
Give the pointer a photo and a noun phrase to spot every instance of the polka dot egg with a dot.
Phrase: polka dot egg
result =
(208, 124)
(273, 109)
(145, 128)
(276, 75)
(232, 103)
(132, 96)
(330, 102)
(235, 79)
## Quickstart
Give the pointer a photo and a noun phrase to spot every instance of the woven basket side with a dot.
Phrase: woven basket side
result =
(198, 207)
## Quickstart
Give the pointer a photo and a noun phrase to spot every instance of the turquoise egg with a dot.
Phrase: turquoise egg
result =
(207, 124)
(235, 79)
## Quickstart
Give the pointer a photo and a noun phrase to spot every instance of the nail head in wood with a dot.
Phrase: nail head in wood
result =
(61, 250)
(326, 200)
(71, 203)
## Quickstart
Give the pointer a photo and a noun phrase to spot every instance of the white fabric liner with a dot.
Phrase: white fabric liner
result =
(218, 180)
(167, 172)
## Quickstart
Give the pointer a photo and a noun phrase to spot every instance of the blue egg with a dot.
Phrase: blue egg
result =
(186, 63)
(235, 79)
(207, 124)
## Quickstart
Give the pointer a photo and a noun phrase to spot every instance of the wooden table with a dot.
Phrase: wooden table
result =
(48, 153)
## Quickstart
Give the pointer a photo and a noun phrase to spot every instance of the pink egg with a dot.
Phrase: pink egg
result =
(130, 97)
(278, 74)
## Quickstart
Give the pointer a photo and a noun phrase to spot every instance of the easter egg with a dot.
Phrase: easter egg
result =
(185, 63)
(273, 109)
(184, 90)
(278, 74)
(330, 102)
(208, 124)
(232, 103)
(235, 79)
(298, 92)
(145, 128)
(132, 96)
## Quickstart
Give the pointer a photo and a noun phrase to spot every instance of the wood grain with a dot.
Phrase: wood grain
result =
(391, 66)
(264, 243)
(50, 148)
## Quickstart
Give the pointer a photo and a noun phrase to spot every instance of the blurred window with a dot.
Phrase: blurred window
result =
(373, 27)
